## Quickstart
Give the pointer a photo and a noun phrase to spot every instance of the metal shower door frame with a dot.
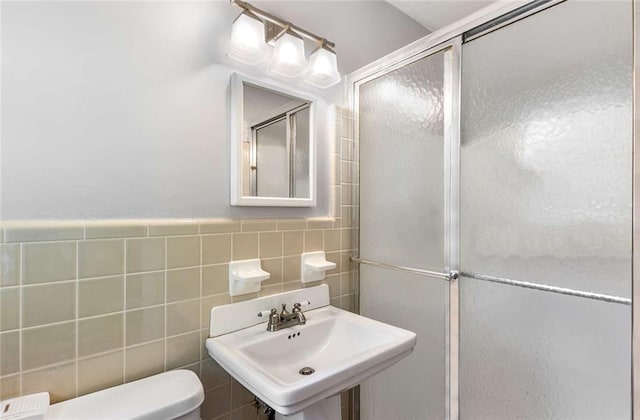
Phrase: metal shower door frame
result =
(451, 37)
(635, 242)
(451, 158)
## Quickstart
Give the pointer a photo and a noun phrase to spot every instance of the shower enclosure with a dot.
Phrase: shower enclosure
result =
(496, 191)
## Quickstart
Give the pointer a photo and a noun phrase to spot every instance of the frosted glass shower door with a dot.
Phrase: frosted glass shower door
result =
(402, 222)
(545, 198)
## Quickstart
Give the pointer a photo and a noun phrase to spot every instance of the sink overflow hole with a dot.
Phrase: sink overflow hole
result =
(306, 371)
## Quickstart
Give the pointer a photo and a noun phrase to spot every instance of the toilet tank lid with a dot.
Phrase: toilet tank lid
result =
(164, 396)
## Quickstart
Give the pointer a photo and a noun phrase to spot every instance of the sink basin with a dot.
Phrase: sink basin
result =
(341, 347)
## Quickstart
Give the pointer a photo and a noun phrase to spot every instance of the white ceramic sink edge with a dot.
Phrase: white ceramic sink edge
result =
(343, 347)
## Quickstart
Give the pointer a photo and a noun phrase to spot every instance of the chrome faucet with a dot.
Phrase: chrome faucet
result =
(285, 319)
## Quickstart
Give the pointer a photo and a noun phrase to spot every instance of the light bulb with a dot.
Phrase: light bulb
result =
(288, 57)
(323, 70)
(247, 40)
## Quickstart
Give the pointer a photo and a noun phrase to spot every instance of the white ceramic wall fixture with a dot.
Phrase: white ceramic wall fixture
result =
(314, 266)
(246, 276)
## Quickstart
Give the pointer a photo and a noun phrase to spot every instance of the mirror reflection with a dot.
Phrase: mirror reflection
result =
(275, 144)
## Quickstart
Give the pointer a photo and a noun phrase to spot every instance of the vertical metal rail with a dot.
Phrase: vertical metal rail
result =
(293, 145)
(635, 243)
(253, 163)
(448, 254)
(354, 134)
(452, 79)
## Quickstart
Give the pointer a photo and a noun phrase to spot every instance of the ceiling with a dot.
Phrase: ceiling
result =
(362, 30)
(436, 14)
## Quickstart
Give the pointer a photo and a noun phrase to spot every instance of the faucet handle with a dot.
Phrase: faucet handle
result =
(267, 313)
(298, 306)
(274, 319)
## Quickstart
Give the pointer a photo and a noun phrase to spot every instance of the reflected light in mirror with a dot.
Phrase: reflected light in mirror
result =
(323, 68)
(247, 40)
(289, 57)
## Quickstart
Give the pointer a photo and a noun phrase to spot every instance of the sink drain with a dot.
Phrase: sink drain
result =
(306, 371)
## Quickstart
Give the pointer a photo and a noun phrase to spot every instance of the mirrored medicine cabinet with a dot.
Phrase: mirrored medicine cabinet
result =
(272, 145)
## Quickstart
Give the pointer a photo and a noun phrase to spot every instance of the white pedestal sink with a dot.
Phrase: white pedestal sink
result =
(337, 349)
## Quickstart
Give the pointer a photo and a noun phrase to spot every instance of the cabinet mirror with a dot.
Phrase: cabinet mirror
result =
(272, 145)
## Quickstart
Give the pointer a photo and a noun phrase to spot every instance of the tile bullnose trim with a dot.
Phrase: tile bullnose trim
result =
(168, 227)
(322, 222)
(292, 223)
(14, 231)
(219, 225)
(42, 230)
(117, 228)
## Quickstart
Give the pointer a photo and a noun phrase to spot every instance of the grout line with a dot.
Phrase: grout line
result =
(47, 242)
(164, 312)
(133, 273)
(190, 267)
(177, 302)
(46, 283)
(124, 312)
(77, 314)
(51, 324)
(93, 317)
(258, 256)
(200, 293)
(185, 333)
(100, 353)
(145, 343)
(20, 317)
(53, 365)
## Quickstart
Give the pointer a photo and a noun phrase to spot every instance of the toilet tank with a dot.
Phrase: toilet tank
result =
(176, 394)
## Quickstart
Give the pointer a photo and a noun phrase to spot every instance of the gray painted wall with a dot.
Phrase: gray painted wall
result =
(120, 110)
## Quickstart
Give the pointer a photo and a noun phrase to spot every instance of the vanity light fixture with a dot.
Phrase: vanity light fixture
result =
(253, 27)
(323, 67)
(247, 39)
(288, 56)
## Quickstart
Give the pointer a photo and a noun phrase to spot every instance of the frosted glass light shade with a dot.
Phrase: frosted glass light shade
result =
(247, 40)
(288, 57)
(323, 69)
